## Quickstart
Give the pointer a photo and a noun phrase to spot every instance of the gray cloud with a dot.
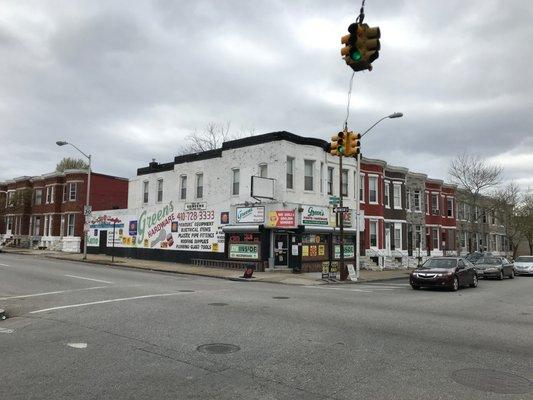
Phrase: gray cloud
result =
(128, 81)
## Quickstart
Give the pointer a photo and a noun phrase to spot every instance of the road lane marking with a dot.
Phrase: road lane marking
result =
(4, 265)
(48, 293)
(148, 296)
(88, 279)
(333, 288)
(4, 330)
(77, 345)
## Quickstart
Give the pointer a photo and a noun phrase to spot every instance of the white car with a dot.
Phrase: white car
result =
(523, 265)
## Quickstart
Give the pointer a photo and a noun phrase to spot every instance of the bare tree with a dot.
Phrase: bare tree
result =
(475, 177)
(71, 163)
(507, 202)
(526, 215)
(212, 137)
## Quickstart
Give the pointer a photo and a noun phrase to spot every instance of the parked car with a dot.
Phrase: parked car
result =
(523, 265)
(494, 267)
(447, 272)
(473, 257)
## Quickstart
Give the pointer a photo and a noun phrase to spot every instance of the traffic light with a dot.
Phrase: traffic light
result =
(337, 144)
(361, 46)
(353, 144)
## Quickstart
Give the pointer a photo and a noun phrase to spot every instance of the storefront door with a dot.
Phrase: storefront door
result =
(281, 249)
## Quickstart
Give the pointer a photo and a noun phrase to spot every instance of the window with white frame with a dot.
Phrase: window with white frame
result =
(235, 182)
(49, 194)
(290, 173)
(330, 180)
(38, 197)
(373, 189)
(263, 170)
(397, 236)
(417, 200)
(183, 187)
(434, 204)
(9, 197)
(308, 174)
(450, 207)
(199, 186)
(373, 233)
(397, 193)
(71, 219)
(159, 190)
(362, 189)
(145, 191)
(9, 224)
(72, 189)
(435, 237)
(46, 223)
(345, 182)
(321, 177)
(65, 192)
(386, 194)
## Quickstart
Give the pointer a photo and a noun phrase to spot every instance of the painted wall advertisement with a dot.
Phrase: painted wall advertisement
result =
(162, 227)
(314, 215)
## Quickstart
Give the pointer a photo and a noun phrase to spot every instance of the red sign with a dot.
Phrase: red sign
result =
(282, 219)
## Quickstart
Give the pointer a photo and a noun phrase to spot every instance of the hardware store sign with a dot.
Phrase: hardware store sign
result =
(250, 214)
(314, 215)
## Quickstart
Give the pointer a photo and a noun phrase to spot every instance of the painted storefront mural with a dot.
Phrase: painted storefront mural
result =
(163, 227)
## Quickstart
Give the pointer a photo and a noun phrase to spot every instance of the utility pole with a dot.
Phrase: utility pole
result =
(357, 212)
(340, 217)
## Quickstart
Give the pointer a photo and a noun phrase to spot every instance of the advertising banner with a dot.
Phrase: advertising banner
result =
(315, 215)
(244, 251)
(282, 219)
(250, 215)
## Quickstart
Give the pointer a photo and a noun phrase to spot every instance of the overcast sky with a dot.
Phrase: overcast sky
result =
(127, 80)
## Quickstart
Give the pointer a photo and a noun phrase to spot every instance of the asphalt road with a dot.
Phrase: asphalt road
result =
(82, 331)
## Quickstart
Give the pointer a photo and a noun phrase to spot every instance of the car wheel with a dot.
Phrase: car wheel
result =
(474, 281)
(455, 284)
(415, 287)
(501, 276)
(512, 275)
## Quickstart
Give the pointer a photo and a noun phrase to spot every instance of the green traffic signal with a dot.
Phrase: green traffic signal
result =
(356, 55)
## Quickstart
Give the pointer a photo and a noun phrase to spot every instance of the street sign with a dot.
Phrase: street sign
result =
(87, 210)
(341, 209)
(334, 200)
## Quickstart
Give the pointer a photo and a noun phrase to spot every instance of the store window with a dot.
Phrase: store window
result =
(349, 247)
(244, 246)
(315, 247)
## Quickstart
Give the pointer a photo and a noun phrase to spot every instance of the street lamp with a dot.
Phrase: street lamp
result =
(358, 189)
(63, 143)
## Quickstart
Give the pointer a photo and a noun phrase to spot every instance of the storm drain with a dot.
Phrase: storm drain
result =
(186, 291)
(281, 297)
(218, 348)
(489, 380)
(218, 304)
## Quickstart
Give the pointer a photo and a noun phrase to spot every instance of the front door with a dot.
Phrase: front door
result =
(281, 249)
(102, 242)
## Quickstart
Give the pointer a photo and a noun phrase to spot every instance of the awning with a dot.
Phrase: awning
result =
(241, 228)
(329, 229)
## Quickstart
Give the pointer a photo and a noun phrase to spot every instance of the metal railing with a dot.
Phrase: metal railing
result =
(201, 262)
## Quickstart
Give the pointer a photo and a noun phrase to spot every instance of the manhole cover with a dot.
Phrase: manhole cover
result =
(281, 297)
(186, 291)
(489, 380)
(218, 304)
(218, 348)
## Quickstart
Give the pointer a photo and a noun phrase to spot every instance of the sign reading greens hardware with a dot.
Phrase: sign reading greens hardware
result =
(314, 215)
(244, 251)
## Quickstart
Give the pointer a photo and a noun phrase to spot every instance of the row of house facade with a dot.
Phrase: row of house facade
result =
(47, 211)
(270, 199)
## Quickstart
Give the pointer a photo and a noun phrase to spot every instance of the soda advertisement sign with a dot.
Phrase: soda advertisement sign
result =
(314, 215)
(164, 227)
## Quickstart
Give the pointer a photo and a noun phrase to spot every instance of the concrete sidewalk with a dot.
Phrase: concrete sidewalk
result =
(306, 279)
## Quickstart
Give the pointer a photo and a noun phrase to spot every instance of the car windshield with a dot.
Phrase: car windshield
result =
(524, 259)
(440, 263)
(491, 261)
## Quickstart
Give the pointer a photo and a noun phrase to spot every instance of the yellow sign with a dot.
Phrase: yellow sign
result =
(214, 247)
(321, 250)
(305, 251)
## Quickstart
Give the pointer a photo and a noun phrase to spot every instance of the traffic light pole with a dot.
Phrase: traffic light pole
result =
(357, 212)
(340, 218)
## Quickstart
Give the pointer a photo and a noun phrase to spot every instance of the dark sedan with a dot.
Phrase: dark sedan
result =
(446, 272)
(494, 267)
